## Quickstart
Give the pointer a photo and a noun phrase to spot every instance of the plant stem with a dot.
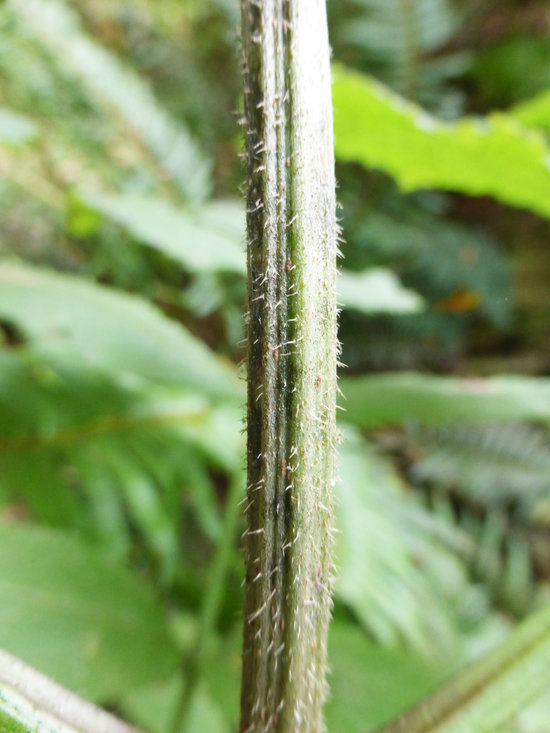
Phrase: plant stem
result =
(198, 657)
(292, 245)
(30, 701)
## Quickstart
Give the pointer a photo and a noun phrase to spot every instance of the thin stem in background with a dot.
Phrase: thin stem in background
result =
(196, 660)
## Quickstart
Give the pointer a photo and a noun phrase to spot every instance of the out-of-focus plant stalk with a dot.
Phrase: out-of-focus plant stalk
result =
(292, 245)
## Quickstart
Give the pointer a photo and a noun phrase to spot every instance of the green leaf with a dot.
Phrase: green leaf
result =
(211, 239)
(89, 624)
(534, 112)
(15, 129)
(199, 241)
(370, 684)
(371, 401)
(109, 329)
(376, 290)
(214, 704)
(492, 156)
(31, 702)
(490, 692)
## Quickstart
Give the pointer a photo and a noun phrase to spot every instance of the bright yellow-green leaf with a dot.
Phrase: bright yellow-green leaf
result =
(491, 156)
(534, 112)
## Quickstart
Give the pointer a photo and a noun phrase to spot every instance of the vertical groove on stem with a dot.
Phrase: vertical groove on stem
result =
(292, 356)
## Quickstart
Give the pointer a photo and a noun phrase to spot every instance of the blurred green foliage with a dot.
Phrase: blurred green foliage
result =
(121, 297)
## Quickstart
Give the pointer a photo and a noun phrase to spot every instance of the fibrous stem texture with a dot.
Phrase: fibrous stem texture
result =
(292, 242)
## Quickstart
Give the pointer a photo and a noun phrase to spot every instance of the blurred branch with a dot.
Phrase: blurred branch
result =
(30, 701)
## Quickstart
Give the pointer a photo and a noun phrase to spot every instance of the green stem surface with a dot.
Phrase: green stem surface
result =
(292, 245)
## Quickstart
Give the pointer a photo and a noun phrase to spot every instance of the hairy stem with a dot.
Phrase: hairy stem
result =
(292, 244)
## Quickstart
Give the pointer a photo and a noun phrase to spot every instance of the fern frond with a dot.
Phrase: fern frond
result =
(500, 555)
(497, 475)
(438, 258)
(99, 427)
(109, 82)
(399, 39)
(399, 569)
(82, 448)
(494, 464)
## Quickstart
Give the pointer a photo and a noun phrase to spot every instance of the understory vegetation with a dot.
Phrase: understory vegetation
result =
(122, 385)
